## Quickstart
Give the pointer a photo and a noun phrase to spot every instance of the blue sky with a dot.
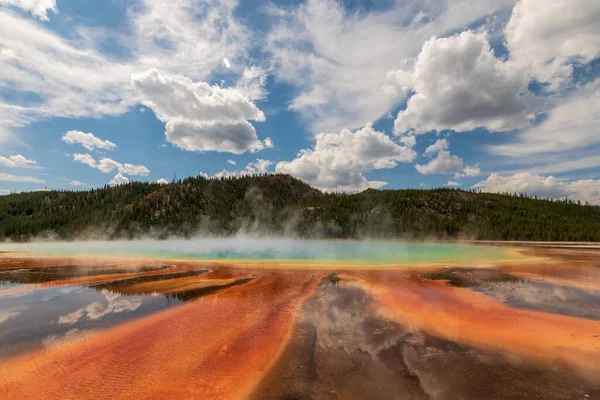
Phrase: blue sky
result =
(502, 95)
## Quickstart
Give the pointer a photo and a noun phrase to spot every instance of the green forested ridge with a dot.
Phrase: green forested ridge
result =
(281, 204)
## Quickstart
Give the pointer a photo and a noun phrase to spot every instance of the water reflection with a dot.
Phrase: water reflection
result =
(44, 318)
(524, 293)
(39, 307)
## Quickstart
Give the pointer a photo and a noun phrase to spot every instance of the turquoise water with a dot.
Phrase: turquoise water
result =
(245, 248)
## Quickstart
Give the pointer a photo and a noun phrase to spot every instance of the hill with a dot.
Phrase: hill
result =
(281, 204)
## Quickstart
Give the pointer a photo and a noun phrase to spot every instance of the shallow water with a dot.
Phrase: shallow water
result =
(355, 320)
(246, 248)
(50, 317)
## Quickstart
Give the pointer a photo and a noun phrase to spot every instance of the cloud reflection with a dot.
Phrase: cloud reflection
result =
(97, 310)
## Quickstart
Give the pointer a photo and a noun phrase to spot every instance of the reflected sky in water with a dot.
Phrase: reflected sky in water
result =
(51, 316)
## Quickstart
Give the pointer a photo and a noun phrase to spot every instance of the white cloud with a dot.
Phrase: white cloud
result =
(408, 141)
(439, 145)
(70, 78)
(459, 84)
(268, 143)
(16, 160)
(231, 162)
(452, 184)
(75, 183)
(568, 166)
(6, 315)
(96, 310)
(232, 138)
(74, 78)
(252, 83)
(175, 97)
(338, 161)
(119, 179)
(85, 159)
(38, 8)
(339, 60)
(260, 166)
(87, 140)
(17, 178)
(472, 170)
(547, 187)
(198, 116)
(548, 37)
(136, 170)
(573, 124)
(162, 181)
(443, 162)
(107, 165)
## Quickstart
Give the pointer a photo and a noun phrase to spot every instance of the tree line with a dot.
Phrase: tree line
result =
(282, 205)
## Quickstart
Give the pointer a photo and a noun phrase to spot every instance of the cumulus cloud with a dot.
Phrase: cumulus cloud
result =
(338, 161)
(85, 159)
(459, 84)
(452, 184)
(16, 160)
(231, 162)
(443, 162)
(472, 170)
(162, 181)
(572, 124)
(107, 165)
(75, 183)
(87, 140)
(547, 187)
(37, 8)
(339, 60)
(408, 141)
(198, 116)
(260, 166)
(438, 146)
(549, 37)
(17, 178)
(213, 136)
(118, 179)
(136, 170)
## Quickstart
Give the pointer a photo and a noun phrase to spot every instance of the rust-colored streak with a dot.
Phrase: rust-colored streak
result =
(471, 318)
(174, 286)
(218, 347)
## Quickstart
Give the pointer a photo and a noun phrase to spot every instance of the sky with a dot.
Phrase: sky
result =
(497, 95)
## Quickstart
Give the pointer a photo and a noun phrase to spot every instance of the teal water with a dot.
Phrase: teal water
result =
(245, 248)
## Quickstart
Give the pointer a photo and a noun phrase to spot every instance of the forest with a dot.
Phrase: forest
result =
(282, 205)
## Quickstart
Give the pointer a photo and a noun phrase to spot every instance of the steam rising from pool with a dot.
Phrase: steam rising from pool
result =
(272, 249)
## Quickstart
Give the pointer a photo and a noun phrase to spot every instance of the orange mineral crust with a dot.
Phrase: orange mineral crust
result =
(464, 316)
(217, 347)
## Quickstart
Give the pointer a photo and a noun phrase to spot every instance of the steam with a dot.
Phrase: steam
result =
(246, 247)
(255, 216)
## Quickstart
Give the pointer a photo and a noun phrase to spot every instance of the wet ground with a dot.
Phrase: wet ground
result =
(104, 328)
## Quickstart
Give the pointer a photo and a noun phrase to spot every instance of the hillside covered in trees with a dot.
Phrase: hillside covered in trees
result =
(283, 205)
